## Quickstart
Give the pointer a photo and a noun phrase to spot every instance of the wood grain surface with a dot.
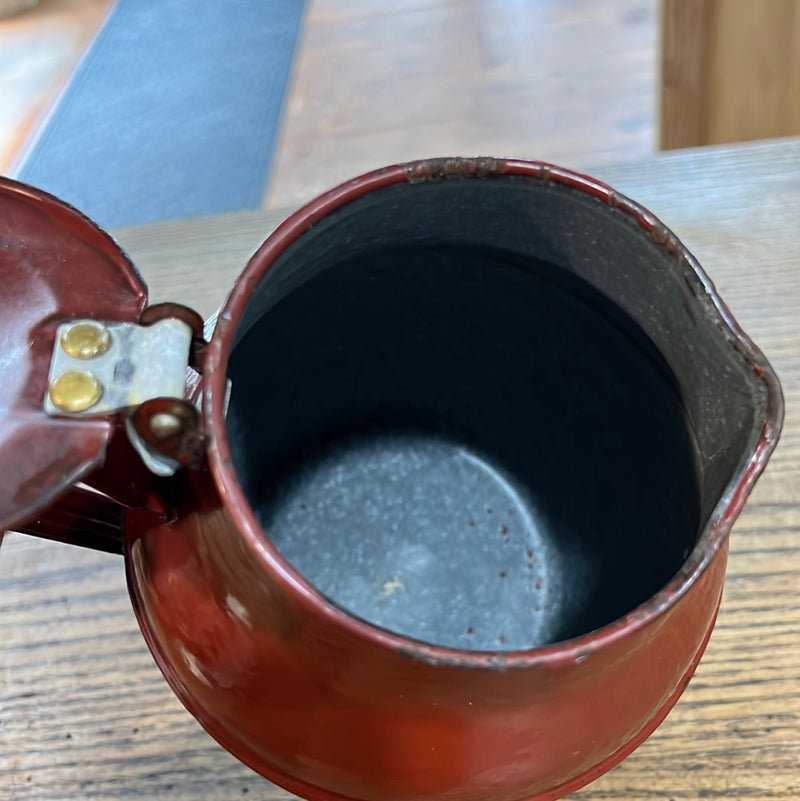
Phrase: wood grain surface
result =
(382, 81)
(85, 714)
(38, 52)
(730, 71)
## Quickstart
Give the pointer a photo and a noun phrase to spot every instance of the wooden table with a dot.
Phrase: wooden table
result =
(85, 714)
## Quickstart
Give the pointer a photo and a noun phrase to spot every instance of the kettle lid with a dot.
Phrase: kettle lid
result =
(55, 265)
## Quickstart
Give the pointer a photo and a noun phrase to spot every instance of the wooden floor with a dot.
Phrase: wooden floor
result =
(38, 52)
(380, 81)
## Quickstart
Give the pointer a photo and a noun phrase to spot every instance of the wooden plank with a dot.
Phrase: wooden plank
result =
(682, 101)
(730, 71)
(85, 714)
(378, 82)
(754, 77)
(38, 52)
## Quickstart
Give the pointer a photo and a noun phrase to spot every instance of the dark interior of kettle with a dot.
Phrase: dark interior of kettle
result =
(483, 417)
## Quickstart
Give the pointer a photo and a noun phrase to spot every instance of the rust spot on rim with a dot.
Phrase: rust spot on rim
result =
(439, 168)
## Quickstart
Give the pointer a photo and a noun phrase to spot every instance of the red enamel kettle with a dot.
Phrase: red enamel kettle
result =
(440, 508)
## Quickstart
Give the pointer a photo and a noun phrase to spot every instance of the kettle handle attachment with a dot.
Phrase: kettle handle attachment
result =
(147, 442)
(92, 512)
(150, 442)
(82, 517)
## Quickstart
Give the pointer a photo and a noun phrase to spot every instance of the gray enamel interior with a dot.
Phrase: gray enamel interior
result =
(485, 413)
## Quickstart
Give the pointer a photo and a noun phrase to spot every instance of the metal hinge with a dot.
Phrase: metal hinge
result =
(102, 368)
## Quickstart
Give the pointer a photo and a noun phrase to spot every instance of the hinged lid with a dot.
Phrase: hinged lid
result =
(55, 265)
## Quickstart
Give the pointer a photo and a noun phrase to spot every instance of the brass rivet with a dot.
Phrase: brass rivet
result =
(75, 391)
(165, 424)
(85, 340)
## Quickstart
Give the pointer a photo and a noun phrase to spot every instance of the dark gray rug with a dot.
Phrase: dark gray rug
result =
(173, 113)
